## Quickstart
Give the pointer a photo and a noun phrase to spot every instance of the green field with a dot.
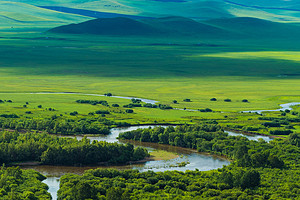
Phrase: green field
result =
(265, 74)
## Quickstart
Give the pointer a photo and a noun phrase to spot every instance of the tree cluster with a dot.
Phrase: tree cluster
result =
(53, 150)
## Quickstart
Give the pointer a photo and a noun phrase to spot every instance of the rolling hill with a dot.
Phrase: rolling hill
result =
(21, 16)
(241, 27)
(274, 10)
(167, 26)
(109, 26)
(253, 27)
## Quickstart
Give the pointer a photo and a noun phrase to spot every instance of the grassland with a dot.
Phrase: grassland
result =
(264, 71)
(125, 67)
(162, 155)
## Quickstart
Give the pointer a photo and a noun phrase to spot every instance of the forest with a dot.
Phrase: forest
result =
(259, 170)
(17, 184)
(53, 150)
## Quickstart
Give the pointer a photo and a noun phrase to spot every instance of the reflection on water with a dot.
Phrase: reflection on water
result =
(250, 136)
(53, 184)
(286, 106)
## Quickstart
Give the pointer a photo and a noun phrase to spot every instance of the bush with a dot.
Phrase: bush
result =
(136, 100)
(245, 100)
(129, 111)
(115, 105)
(150, 105)
(187, 100)
(74, 113)
(132, 105)
(281, 132)
(205, 110)
(271, 124)
(164, 107)
(227, 100)
(9, 116)
(102, 112)
(108, 94)
(213, 99)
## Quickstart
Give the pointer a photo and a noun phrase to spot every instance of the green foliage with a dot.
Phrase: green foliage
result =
(259, 170)
(53, 150)
(187, 100)
(57, 125)
(17, 184)
(93, 102)
(164, 107)
(129, 111)
(281, 132)
(211, 138)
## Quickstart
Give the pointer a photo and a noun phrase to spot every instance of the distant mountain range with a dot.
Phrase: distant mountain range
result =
(51, 13)
(180, 26)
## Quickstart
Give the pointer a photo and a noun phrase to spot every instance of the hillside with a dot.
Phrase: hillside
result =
(109, 26)
(19, 16)
(244, 27)
(278, 10)
(168, 26)
(253, 27)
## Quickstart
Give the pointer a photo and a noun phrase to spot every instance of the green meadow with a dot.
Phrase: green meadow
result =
(182, 69)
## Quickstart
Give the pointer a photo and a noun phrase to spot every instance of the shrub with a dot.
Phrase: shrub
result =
(245, 100)
(281, 132)
(227, 100)
(187, 100)
(129, 111)
(136, 100)
(213, 99)
(102, 112)
(108, 94)
(73, 113)
(164, 107)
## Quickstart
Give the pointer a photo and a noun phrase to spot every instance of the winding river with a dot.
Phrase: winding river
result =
(195, 160)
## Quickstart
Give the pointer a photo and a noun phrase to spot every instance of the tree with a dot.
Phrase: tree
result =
(227, 100)
(108, 94)
(174, 101)
(213, 99)
(114, 193)
(187, 100)
(129, 111)
(250, 179)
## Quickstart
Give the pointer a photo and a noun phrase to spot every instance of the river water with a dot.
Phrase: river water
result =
(286, 106)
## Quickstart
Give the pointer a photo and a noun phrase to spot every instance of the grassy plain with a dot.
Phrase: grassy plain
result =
(159, 69)
(265, 72)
